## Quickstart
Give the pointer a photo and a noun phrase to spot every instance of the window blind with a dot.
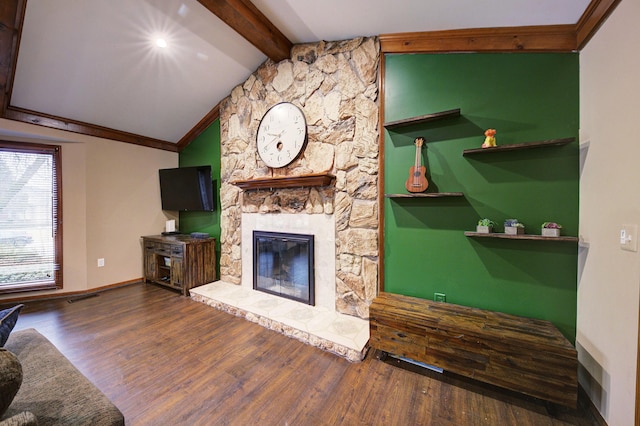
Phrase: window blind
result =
(30, 241)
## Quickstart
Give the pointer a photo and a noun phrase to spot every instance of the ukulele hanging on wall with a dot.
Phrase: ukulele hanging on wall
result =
(417, 181)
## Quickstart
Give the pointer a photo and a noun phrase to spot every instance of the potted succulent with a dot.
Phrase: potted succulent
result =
(551, 229)
(513, 227)
(485, 226)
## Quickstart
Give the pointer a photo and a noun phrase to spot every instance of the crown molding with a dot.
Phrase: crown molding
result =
(592, 19)
(202, 125)
(545, 38)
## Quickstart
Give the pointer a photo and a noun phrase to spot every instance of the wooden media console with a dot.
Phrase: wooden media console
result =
(525, 355)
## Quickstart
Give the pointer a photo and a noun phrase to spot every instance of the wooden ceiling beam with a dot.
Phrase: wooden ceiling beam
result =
(60, 123)
(11, 18)
(245, 18)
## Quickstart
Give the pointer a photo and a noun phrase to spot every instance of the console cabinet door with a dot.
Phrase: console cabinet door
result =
(177, 271)
(149, 263)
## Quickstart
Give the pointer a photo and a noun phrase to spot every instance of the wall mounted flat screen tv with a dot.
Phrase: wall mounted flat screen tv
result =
(187, 189)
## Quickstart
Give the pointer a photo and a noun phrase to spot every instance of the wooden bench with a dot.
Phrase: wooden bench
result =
(525, 355)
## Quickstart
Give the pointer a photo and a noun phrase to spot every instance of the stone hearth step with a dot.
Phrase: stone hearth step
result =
(343, 335)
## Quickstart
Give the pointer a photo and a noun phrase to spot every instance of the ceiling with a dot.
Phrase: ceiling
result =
(94, 66)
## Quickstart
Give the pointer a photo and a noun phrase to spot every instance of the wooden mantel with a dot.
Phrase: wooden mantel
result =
(276, 182)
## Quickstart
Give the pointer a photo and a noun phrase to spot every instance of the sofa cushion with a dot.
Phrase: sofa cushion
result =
(8, 319)
(55, 391)
(10, 378)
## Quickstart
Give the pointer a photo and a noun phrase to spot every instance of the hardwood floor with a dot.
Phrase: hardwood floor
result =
(164, 359)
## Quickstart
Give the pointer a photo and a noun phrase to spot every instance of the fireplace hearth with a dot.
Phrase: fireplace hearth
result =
(283, 265)
(319, 325)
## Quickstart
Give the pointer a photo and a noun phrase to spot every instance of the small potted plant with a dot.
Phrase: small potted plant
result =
(551, 229)
(485, 226)
(513, 227)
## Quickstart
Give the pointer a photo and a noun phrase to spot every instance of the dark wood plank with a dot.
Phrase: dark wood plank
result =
(165, 359)
(427, 118)
(518, 146)
(310, 180)
(561, 238)
(521, 354)
(426, 195)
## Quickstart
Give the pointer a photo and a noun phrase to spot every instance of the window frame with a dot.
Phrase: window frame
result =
(56, 154)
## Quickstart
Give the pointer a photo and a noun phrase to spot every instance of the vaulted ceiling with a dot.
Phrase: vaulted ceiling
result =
(95, 67)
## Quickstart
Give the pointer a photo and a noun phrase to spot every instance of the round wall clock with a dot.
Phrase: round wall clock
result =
(282, 134)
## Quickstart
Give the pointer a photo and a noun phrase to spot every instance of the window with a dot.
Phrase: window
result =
(30, 217)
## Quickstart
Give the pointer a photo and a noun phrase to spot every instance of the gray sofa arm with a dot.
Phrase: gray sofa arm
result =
(53, 389)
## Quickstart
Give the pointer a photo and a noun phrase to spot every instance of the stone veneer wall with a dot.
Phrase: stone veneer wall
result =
(335, 84)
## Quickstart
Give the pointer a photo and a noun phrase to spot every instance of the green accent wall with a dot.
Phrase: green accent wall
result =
(526, 97)
(205, 149)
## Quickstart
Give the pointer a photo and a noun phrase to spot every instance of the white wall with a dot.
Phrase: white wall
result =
(110, 198)
(608, 288)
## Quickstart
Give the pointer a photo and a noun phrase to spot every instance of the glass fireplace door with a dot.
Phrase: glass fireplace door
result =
(283, 265)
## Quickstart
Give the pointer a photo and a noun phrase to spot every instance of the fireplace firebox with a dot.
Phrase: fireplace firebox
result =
(283, 265)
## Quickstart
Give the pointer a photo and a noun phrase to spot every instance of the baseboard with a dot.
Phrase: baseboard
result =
(71, 294)
(586, 404)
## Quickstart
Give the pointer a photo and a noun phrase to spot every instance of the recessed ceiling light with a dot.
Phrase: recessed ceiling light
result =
(160, 42)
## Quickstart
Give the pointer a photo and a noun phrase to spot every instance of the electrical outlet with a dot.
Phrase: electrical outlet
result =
(100, 262)
(439, 297)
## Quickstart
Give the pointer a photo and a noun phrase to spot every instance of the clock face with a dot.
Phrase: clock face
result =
(282, 134)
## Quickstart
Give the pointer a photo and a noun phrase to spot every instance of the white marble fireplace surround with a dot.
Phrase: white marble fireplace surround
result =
(322, 227)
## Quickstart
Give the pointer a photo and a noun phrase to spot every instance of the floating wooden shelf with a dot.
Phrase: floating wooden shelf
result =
(519, 146)
(426, 195)
(391, 125)
(520, 237)
(321, 179)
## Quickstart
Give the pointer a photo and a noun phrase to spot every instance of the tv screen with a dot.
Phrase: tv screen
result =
(187, 189)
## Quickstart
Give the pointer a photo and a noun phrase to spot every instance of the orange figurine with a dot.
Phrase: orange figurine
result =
(490, 139)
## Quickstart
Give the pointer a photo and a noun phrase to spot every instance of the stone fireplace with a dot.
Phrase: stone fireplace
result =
(336, 86)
